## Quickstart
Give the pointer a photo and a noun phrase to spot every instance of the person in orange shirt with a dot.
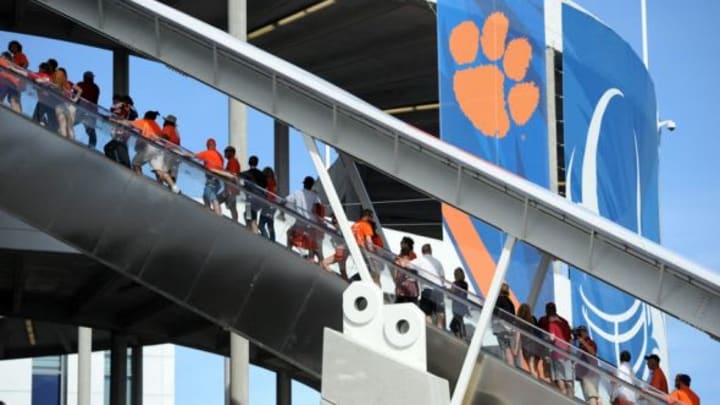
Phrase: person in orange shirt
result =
(229, 195)
(683, 395)
(657, 376)
(213, 161)
(64, 111)
(146, 152)
(170, 134)
(364, 232)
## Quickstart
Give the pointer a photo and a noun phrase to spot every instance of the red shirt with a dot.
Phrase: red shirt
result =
(233, 166)
(90, 92)
(212, 158)
(21, 60)
(170, 133)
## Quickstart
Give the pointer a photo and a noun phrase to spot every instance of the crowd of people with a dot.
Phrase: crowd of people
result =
(542, 346)
(552, 351)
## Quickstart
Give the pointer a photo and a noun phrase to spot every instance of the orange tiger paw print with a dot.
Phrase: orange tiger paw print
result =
(480, 90)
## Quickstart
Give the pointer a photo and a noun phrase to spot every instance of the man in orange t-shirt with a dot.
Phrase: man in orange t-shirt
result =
(683, 395)
(657, 376)
(363, 230)
(170, 134)
(213, 161)
(229, 196)
(146, 152)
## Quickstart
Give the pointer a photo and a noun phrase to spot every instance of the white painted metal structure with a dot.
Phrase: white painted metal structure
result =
(463, 382)
(528, 212)
(337, 208)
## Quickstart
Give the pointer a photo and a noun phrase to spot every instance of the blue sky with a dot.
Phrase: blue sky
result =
(684, 63)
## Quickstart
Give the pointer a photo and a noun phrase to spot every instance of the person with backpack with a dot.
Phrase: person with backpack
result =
(459, 309)
(560, 336)
(267, 214)
(231, 191)
(256, 185)
(308, 205)
(502, 323)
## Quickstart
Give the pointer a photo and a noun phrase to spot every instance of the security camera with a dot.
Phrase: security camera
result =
(669, 124)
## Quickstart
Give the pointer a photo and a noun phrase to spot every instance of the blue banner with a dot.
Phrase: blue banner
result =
(491, 57)
(611, 155)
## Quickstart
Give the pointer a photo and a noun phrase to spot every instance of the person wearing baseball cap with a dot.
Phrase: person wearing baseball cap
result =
(657, 375)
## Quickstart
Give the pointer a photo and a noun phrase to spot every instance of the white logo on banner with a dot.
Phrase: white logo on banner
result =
(589, 199)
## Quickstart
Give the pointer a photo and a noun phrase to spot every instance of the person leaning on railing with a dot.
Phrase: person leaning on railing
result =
(589, 379)
(406, 287)
(11, 82)
(524, 346)
(504, 312)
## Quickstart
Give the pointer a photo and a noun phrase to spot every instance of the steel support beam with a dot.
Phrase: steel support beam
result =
(118, 370)
(136, 386)
(359, 187)
(337, 208)
(121, 71)
(471, 357)
(283, 388)
(282, 157)
(540, 275)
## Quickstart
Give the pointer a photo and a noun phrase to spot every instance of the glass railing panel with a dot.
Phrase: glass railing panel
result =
(313, 237)
(307, 233)
(525, 346)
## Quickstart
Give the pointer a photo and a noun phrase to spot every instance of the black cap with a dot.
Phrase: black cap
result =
(653, 356)
(151, 115)
(308, 182)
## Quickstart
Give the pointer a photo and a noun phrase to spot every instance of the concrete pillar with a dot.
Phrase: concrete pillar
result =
(283, 388)
(118, 370)
(136, 385)
(239, 370)
(237, 112)
(282, 157)
(237, 117)
(84, 365)
(121, 71)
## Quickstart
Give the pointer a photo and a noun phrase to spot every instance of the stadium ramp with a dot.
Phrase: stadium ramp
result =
(528, 212)
(205, 263)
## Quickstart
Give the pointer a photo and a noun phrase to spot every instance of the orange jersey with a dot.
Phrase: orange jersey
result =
(362, 230)
(684, 395)
(659, 381)
(211, 158)
(148, 128)
(170, 133)
(233, 166)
